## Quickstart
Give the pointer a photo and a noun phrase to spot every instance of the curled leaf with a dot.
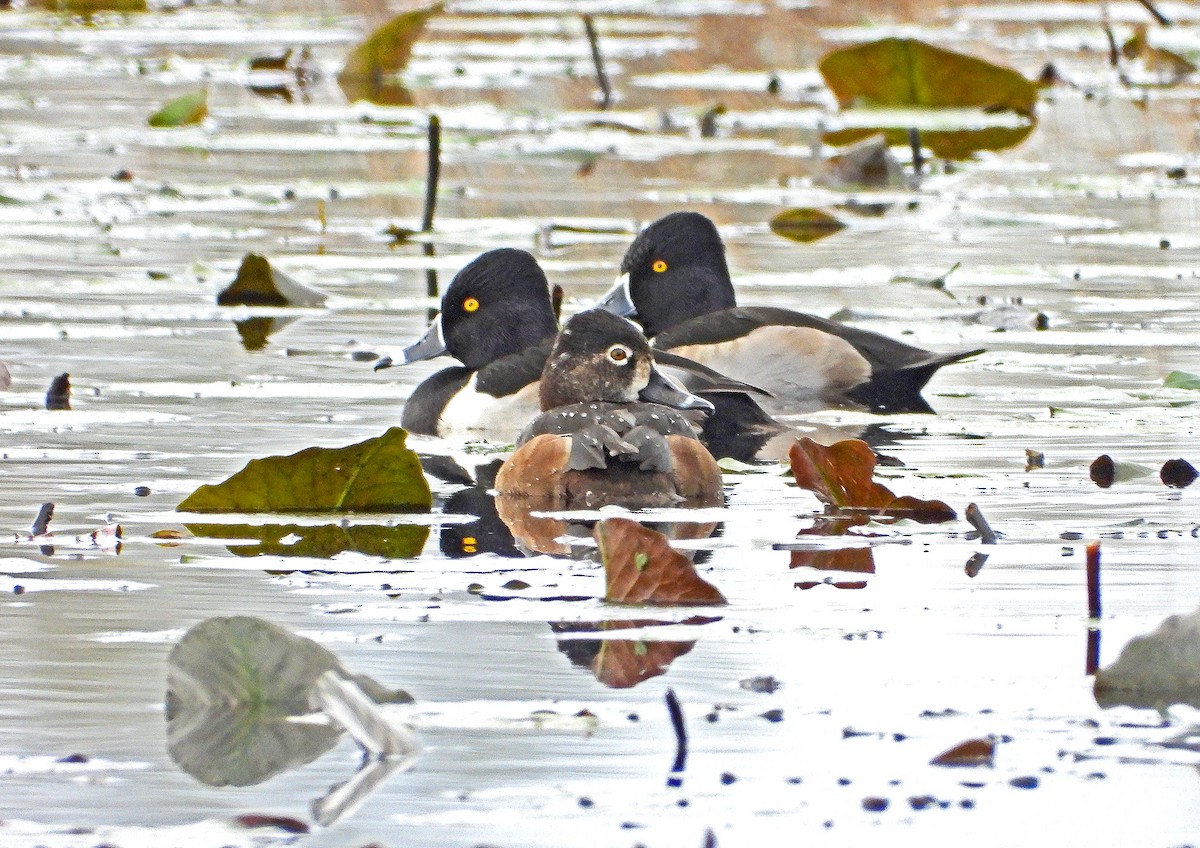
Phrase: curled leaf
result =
(378, 475)
(384, 54)
(667, 576)
(973, 752)
(258, 284)
(805, 225)
(182, 111)
(841, 477)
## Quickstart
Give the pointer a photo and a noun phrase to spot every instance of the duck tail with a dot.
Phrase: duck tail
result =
(899, 390)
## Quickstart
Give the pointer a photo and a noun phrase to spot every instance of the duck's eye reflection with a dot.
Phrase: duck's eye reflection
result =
(470, 304)
(618, 353)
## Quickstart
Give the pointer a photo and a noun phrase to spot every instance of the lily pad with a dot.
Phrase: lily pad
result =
(384, 54)
(322, 542)
(906, 72)
(1155, 670)
(841, 477)
(258, 284)
(641, 567)
(1182, 380)
(232, 686)
(805, 225)
(182, 111)
(378, 475)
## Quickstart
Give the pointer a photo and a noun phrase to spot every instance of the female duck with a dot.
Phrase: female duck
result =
(676, 283)
(610, 432)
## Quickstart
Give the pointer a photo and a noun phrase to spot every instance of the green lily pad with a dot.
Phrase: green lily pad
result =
(258, 284)
(378, 475)
(1182, 380)
(384, 54)
(321, 542)
(232, 685)
(905, 72)
(182, 111)
(805, 225)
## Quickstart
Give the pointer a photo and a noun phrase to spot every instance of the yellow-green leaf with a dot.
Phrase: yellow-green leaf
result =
(378, 475)
(88, 8)
(325, 541)
(385, 53)
(908, 72)
(1182, 380)
(182, 111)
(805, 224)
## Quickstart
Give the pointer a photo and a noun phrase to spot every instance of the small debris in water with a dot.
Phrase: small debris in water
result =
(1178, 473)
(1034, 459)
(765, 683)
(59, 394)
(973, 752)
(874, 804)
(142, 491)
(728, 778)
(775, 715)
(1029, 782)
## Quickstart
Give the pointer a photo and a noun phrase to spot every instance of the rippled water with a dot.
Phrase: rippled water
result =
(114, 281)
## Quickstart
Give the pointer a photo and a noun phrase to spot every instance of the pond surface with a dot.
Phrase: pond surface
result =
(112, 277)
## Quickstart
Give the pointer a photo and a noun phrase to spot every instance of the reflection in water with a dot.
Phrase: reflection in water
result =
(235, 686)
(255, 331)
(623, 663)
(1155, 670)
(487, 534)
(324, 541)
(856, 560)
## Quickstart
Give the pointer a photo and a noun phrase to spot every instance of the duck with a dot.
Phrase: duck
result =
(498, 320)
(675, 282)
(613, 429)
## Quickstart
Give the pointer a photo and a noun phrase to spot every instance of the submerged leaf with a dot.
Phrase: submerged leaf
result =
(378, 475)
(667, 576)
(973, 752)
(841, 477)
(385, 53)
(182, 111)
(805, 225)
(258, 284)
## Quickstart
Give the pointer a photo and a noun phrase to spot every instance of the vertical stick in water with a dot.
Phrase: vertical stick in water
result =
(1093, 579)
(1092, 661)
(432, 172)
(676, 713)
(914, 141)
(431, 278)
(598, 60)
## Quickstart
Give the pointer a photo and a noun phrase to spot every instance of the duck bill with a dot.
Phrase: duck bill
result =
(662, 389)
(618, 300)
(432, 343)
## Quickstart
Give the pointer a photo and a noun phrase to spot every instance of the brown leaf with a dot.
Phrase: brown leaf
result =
(641, 567)
(858, 560)
(841, 477)
(385, 53)
(973, 752)
(623, 663)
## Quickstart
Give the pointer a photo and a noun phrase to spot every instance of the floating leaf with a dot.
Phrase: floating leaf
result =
(378, 475)
(384, 54)
(1155, 670)
(87, 8)
(973, 752)
(1178, 473)
(908, 72)
(403, 541)
(905, 72)
(841, 477)
(805, 225)
(232, 685)
(623, 663)
(258, 284)
(182, 111)
(1105, 471)
(668, 576)
(58, 396)
(1182, 380)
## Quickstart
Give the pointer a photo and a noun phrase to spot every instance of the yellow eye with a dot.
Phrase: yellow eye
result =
(469, 543)
(618, 353)
(659, 266)
(470, 304)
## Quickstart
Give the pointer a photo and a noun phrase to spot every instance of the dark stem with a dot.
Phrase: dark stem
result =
(1114, 52)
(598, 60)
(914, 141)
(433, 170)
(431, 278)
(42, 523)
(1092, 661)
(676, 713)
(1093, 579)
(1158, 16)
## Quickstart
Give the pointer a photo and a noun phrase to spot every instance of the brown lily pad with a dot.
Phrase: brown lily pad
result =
(841, 476)
(641, 567)
(973, 752)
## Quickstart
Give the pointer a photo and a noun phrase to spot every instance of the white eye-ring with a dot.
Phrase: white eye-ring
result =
(619, 353)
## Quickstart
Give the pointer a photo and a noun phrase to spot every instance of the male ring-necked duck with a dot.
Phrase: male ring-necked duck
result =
(675, 282)
(498, 320)
(610, 432)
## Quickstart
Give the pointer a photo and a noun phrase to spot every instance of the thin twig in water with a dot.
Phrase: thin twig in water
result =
(676, 713)
(1093, 579)
(433, 169)
(589, 26)
(1158, 16)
